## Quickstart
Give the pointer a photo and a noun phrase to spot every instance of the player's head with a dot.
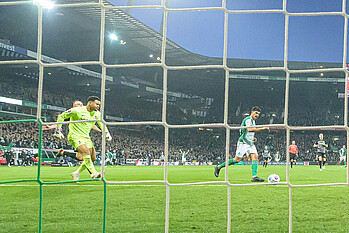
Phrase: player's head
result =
(266, 147)
(343, 146)
(93, 103)
(77, 103)
(293, 142)
(255, 111)
(321, 136)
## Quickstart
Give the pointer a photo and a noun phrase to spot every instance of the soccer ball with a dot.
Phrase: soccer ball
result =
(273, 178)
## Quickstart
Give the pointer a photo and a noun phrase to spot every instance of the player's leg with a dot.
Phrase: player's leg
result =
(74, 155)
(254, 158)
(238, 157)
(93, 157)
(86, 153)
(323, 162)
(266, 163)
(222, 165)
(82, 150)
(93, 154)
(87, 162)
(320, 162)
(291, 162)
(95, 174)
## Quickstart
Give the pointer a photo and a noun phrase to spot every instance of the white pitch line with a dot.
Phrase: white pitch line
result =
(141, 185)
(101, 185)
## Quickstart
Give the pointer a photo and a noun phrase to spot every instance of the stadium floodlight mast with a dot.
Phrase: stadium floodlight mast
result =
(48, 4)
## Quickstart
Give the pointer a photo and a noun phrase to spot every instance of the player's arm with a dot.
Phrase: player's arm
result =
(107, 134)
(48, 127)
(96, 129)
(254, 129)
(258, 129)
(65, 115)
(61, 117)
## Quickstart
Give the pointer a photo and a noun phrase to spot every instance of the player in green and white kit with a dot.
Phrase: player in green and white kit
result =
(343, 156)
(184, 156)
(79, 136)
(277, 157)
(246, 145)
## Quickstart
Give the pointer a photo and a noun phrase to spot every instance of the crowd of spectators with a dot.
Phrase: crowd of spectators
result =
(204, 145)
(145, 141)
(27, 89)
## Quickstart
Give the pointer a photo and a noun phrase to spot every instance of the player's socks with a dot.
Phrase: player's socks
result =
(291, 164)
(81, 168)
(266, 164)
(231, 162)
(254, 168)
(320, 163)
(88, 163)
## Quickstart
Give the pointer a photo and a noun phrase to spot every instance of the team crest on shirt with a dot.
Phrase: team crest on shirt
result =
(69, 111)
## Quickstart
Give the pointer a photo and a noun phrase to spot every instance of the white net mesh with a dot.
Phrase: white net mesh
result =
(106, 6)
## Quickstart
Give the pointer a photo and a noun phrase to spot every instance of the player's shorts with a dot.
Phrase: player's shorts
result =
(322, 154)
(184, 160)
(293, 156)
(343, 158)
(243, 148)
(77, 141)
(265, 158)
(277, 160)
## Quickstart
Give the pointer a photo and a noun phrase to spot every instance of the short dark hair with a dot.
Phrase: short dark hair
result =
(256, 108)
(93, 98)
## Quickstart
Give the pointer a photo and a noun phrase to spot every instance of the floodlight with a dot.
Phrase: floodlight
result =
(45, 3)
(113, 36)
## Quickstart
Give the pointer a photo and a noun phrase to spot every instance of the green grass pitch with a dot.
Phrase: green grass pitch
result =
(141, 207)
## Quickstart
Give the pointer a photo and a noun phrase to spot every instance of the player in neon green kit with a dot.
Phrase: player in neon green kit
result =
(74, 155)
(246, 145)
(79, 136)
